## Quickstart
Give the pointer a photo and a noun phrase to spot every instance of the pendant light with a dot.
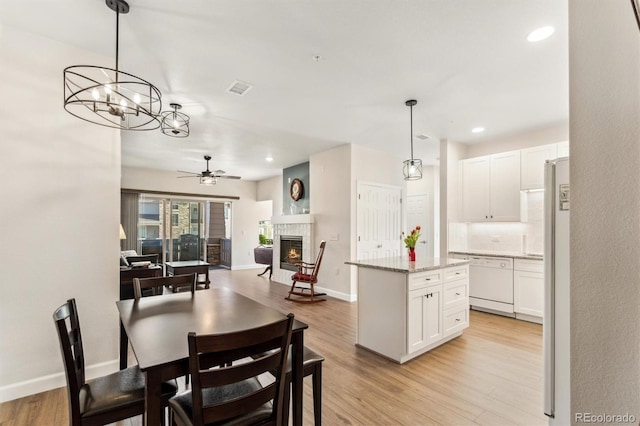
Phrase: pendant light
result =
(412, 169)
(174, 123)
(110, 97)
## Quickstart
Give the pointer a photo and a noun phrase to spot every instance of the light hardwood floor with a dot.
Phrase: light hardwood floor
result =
(491, 375)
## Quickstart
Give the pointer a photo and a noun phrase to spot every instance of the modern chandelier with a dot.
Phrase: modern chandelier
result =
(412, 169)
(110, 97)
(174, 123)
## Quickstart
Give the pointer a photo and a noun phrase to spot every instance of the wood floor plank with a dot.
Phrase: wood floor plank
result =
(491, 375)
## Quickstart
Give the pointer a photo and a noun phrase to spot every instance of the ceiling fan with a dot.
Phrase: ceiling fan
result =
(208, 177)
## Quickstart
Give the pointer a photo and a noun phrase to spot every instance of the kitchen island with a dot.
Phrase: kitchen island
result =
(408, 308)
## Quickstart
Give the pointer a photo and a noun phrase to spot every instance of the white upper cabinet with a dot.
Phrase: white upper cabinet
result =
(491, 188)
(476, 179)
(532, 165)
(563, 149)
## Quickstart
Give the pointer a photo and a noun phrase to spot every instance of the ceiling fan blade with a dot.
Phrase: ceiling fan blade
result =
(228, 177)
(192, 176)
(191, 173)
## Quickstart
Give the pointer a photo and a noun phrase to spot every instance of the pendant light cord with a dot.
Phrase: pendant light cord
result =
(411, 106)
(117, 38)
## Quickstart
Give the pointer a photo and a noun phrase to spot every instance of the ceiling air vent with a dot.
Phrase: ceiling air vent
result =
(239, 88)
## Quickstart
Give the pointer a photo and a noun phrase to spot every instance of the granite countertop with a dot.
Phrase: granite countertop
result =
(402, 263)
(514, 255)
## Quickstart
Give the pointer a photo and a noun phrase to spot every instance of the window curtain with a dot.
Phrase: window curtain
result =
(129, 213)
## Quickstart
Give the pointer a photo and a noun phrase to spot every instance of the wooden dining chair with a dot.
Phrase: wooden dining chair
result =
(308, 275)
(155, 285)
(107, 399)
(232, 393)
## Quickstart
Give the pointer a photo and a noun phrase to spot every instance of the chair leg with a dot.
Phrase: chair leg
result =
(287, 399)
(316, 378)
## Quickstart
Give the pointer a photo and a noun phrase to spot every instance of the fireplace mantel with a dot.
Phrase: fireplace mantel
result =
(292, 219)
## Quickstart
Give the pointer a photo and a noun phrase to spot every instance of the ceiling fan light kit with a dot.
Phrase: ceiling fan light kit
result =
(110, 97)
(412, 169)
(174, 123)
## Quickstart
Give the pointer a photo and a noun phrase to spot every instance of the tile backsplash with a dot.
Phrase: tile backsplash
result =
(521, 237)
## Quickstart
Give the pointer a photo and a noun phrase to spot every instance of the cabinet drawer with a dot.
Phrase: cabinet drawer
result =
(528, 265)
(456, 319)
(456, 273)
(423, 279)
(456, 293)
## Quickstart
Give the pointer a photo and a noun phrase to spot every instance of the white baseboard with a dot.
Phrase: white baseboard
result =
(52, 381)
(243, 267)
(332, 293)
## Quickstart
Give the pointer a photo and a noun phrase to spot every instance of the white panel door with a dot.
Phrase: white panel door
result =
(418, 214)
(379, 221)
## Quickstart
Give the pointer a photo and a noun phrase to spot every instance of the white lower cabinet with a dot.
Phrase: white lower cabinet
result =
(528, 289)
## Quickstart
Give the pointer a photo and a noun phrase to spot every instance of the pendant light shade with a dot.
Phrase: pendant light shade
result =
(412, 169)
(110, 97)
(174, 123)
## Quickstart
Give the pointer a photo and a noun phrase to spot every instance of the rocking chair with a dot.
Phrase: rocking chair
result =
(307, 274)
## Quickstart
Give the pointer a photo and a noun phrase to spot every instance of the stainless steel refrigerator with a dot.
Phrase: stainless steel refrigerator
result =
(556, 333)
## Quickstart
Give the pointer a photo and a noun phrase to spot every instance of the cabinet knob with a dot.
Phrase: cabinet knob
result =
(379, 246)
(427, 279)
(457, 294)
(486, 217)
(458, 319)
(458, 273)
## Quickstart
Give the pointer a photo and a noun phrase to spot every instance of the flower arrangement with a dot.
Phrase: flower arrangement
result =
(411, 239)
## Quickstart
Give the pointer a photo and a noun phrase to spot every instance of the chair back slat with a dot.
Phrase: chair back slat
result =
(157, 284)
(70, 338)
(316, 266)
(250, 346)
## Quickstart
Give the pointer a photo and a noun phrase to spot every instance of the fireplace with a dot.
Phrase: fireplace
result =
(290, 251)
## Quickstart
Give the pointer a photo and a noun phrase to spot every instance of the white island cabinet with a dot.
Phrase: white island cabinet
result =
(408, 308)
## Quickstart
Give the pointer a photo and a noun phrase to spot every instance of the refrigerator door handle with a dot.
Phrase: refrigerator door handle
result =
(549, 322)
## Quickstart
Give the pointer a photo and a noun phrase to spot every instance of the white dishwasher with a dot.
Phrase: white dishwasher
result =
(491, 284)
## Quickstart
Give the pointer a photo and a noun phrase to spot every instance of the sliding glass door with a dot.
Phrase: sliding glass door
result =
(186, 230)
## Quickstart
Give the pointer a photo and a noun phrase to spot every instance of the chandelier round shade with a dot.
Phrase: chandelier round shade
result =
(174, 123)
(111, 98)
(412, 169)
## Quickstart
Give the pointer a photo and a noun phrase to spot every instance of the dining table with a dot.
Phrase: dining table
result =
(157, 328)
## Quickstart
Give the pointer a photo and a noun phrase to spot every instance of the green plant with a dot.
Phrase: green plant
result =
(411, 239)
(262, 239)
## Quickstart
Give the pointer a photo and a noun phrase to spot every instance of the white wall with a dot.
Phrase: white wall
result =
(271, 189)
(368, 165)
(543, 136)
(604, 68)
(329, 175)
(245, 212)
(59, 222)
(450, 191)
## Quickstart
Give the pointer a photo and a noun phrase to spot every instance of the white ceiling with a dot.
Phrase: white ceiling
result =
(467, 62)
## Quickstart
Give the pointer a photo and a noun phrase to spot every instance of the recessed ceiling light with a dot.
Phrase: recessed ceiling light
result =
(540, 34)
(477, 130)
(269, 159)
